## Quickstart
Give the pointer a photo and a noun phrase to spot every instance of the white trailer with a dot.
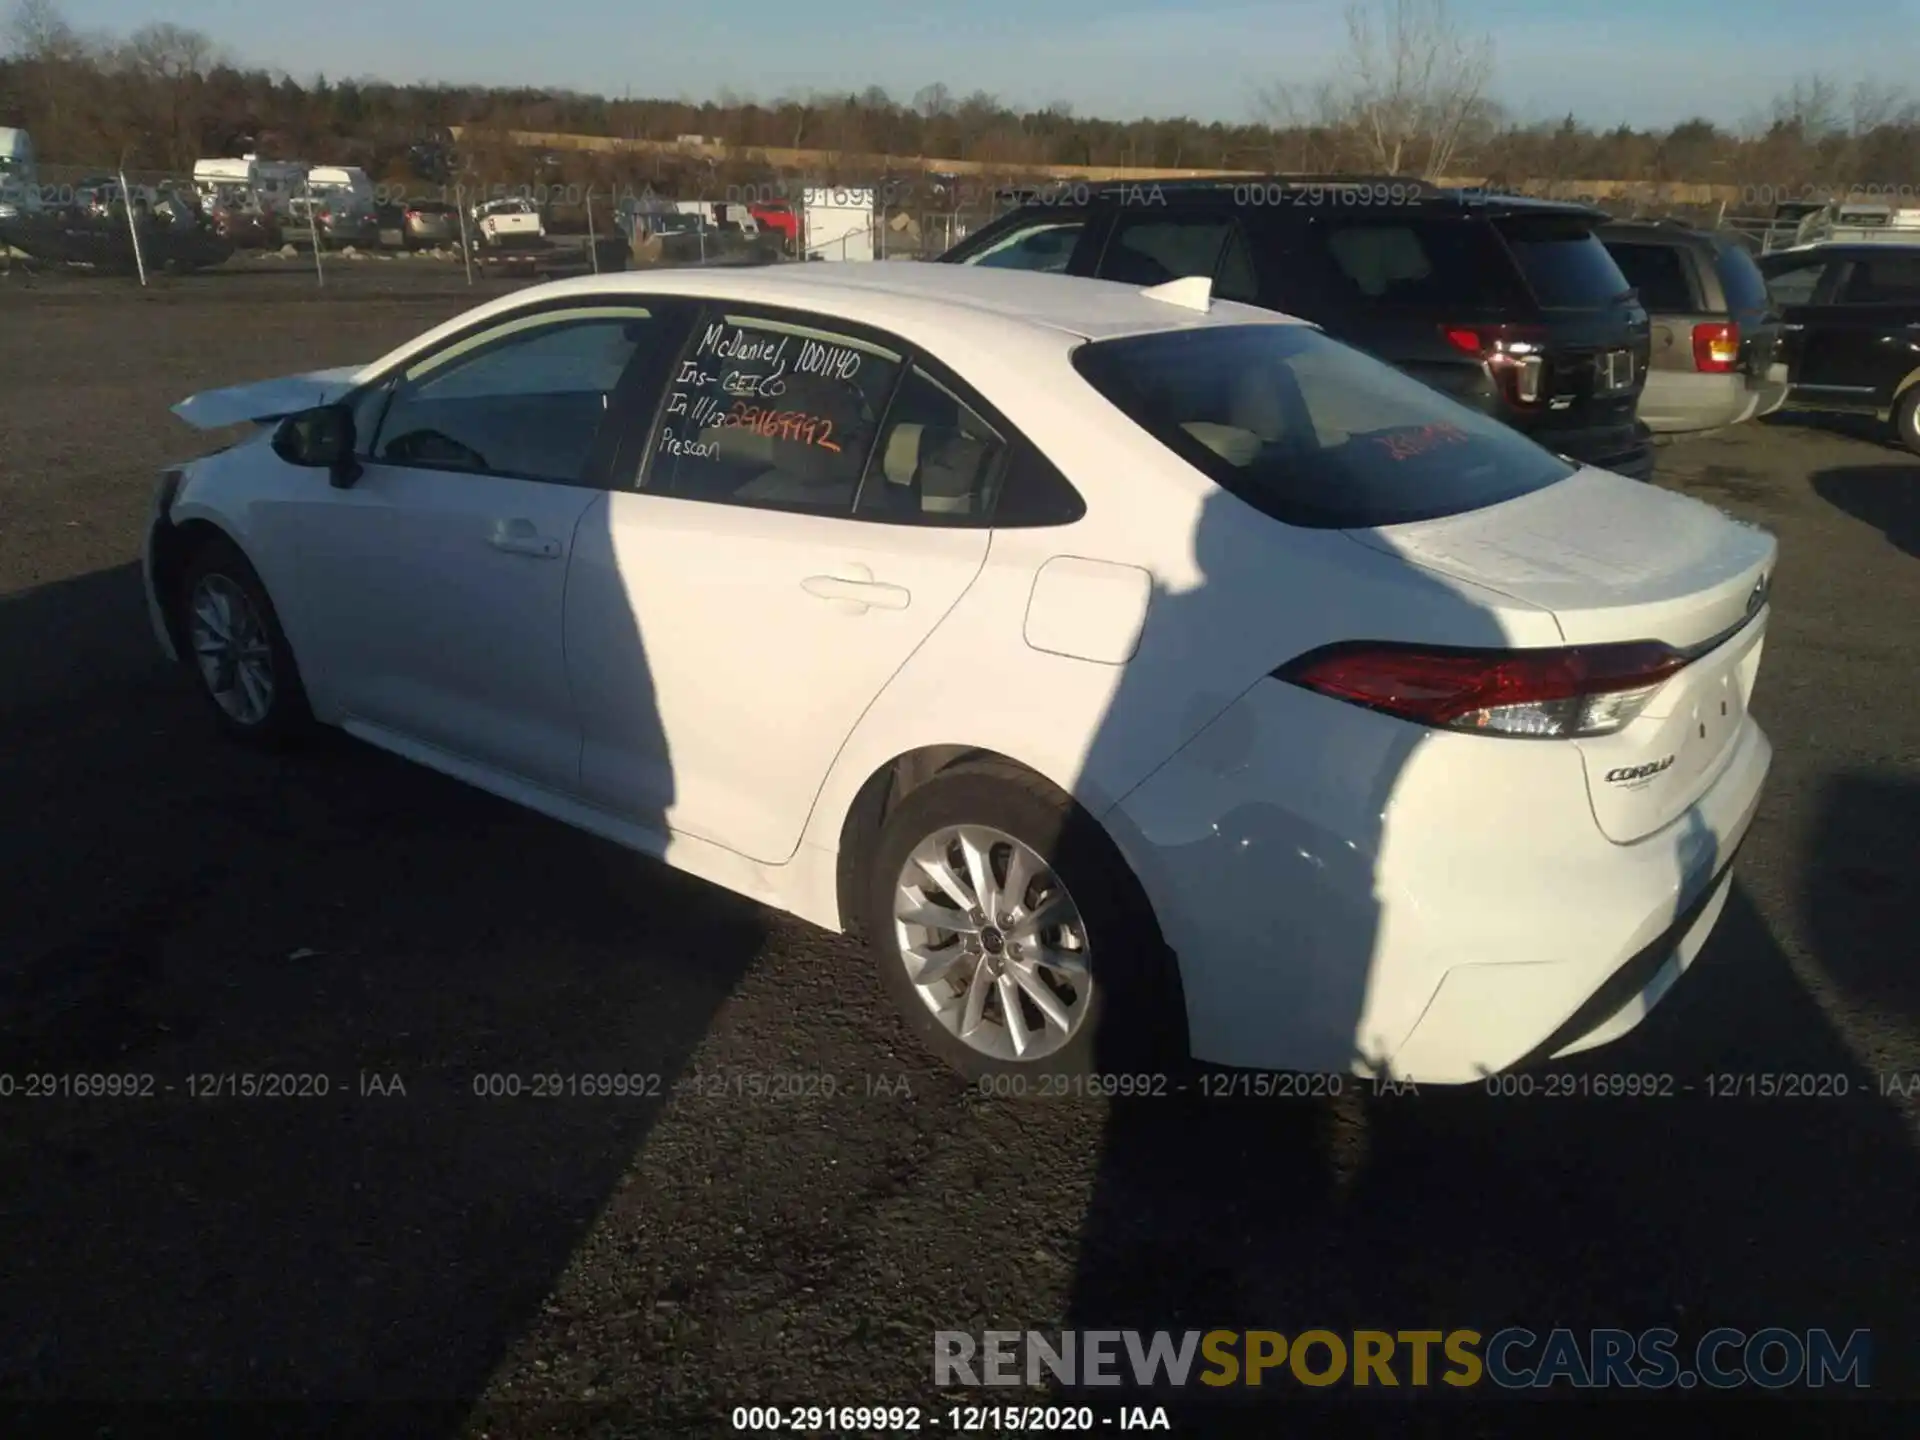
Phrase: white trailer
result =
(836, 222)
(19, 173)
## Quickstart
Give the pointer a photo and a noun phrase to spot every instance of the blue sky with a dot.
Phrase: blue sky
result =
(1643, 61)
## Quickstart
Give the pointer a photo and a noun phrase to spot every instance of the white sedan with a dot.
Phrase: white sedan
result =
(1140, 674)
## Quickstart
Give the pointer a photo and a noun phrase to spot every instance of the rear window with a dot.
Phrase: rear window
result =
(1658, 272)
(1746, 287)
(1311, 431)
(1421, 262)
(1566, 266)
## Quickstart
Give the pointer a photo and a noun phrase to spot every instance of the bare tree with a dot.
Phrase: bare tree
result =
(1412, 85)
(933, 101)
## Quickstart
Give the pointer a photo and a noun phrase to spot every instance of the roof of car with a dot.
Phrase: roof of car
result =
(889, 293)
(1327, 191)
(1845, 249)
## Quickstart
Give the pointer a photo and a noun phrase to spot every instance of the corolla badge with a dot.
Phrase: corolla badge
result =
(1627, 774)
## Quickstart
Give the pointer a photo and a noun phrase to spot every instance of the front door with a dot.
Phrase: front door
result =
(811, 508)
(434, 587)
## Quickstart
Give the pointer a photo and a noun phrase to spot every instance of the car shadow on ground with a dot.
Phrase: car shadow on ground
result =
(1444, 1209)
(1886, 497)
(1860, 870)
(364, 1012)
(1535, 1203)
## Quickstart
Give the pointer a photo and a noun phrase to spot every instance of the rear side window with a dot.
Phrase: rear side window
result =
(1447, 263)
(1659, 273)
(1311, 431)
(1566, 266)
(1045, 245)
(1153, 248)
(1740, 278)
(1880, 279)
(937, 461)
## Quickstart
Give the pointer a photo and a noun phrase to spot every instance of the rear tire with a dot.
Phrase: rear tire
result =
(1076, 952)
(1906, 419)
(230, 639)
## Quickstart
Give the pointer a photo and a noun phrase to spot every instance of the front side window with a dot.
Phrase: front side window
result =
(1310, 430)
(1426, 263)
(1882, 279)
(527, 398)
(773, 414)
(937, 461)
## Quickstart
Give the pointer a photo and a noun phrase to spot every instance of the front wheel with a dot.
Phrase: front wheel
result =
(1012, 937)
(1906, 419)
(232, 638)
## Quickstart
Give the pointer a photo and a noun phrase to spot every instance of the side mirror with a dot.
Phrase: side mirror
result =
(320, 439)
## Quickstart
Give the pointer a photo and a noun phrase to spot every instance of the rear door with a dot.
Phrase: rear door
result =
(1868, 337)
(811, 505)
(1743, 290)
(1802, 287)
(1677, 397)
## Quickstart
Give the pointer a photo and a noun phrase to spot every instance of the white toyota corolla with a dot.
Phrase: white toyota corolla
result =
(1136, 672)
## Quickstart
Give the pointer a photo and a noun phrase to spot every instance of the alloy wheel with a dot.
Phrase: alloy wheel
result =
(993, 943)
(231, 646)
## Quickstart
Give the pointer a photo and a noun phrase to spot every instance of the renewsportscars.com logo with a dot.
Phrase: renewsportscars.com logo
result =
(1511, 1359)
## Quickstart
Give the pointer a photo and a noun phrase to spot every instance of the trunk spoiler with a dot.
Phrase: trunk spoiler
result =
(266, 399)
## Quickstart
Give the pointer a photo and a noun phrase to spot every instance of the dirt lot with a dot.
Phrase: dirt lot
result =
(177, 909)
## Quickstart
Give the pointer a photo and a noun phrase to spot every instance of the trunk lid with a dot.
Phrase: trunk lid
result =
(1614, 560)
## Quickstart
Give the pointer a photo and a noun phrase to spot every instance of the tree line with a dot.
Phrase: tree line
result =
(1410, 98)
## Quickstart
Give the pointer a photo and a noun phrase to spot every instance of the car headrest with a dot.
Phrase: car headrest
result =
(1235, 446)
(902, 455)
(951, 470)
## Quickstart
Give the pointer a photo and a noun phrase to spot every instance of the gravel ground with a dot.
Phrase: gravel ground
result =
(571, 1266)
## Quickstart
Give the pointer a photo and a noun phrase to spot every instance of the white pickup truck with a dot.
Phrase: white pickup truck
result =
(504, 224)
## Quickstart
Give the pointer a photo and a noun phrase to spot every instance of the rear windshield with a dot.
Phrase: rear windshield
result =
(1746, 287)
(1658, 272)
(1566, 266)
(1310, 430)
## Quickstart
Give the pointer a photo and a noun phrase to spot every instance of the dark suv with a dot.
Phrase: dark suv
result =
(1510, 305)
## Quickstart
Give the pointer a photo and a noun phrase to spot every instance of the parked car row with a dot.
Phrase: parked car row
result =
(1591, 335)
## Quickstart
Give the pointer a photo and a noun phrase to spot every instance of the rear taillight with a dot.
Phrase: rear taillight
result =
(1515, 355)
(1547, 694)
(1716, 348)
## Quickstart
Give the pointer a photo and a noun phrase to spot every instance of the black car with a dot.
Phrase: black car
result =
(1511, 305)
(1715, 331)
(1851, 317)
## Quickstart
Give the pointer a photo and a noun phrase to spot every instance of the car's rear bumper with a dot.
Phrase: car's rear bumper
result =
(1679, 402)
(1346, 892)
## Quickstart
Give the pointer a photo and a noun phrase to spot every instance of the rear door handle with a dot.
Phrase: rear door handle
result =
(518, 537)
(855, 590)
(1792, 325)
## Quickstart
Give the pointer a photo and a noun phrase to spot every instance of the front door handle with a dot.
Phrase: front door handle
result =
(854, 589)
(518, 537)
